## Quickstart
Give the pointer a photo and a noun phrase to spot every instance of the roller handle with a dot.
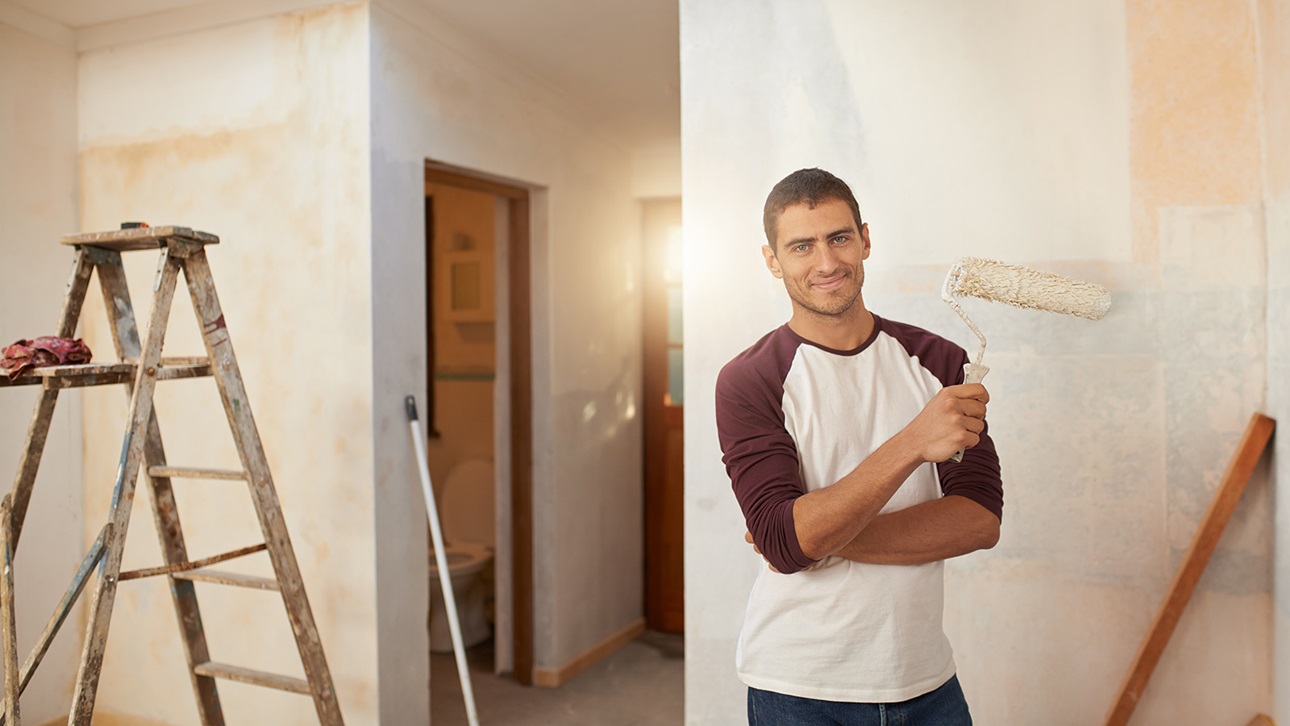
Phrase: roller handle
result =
(972, 373)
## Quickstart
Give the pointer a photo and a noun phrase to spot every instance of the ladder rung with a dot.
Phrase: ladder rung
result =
(253, 677)
(177, 567)
(191, 472)
(104, 374)
(254, 582)
(188, 367)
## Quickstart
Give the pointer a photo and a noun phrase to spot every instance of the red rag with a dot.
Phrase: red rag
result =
(47, 350)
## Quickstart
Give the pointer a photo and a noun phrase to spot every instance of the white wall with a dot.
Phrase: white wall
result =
(656, 171)
(38, 194)
(256, 131)
(435, 96)
(1274, 39)
(1040, 135)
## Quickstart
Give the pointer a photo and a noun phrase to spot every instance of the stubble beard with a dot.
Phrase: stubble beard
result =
(838, 308)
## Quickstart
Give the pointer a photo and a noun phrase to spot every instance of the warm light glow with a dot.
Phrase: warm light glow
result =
(672, 269)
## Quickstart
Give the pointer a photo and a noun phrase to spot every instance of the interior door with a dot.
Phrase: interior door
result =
(664, 397)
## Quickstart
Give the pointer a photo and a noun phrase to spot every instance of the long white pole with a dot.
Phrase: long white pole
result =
(441, 559)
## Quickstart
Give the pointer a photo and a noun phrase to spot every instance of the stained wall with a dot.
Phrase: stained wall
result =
(1115, 142)
(37, 204)
(255, 131)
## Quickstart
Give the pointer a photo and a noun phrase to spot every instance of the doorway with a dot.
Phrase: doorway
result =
(663, 411)
(478, 333)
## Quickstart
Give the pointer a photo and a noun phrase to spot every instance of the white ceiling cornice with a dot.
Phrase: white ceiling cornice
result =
(37, 25)
(608, 66)
(185, 20)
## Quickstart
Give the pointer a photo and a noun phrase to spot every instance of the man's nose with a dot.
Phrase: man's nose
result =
(826, 260)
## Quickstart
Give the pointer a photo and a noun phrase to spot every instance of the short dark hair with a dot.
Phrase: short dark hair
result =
(809, 187)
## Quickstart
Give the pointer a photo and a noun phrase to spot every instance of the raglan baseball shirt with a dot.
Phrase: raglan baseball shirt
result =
(792, 417)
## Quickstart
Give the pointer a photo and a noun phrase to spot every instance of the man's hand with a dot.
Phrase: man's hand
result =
(953, 420)
(748, 538)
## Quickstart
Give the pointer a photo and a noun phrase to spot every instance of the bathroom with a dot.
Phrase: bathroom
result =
(462, 350)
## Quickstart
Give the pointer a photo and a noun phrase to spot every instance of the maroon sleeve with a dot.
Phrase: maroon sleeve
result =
(978, 476)
(760, 456)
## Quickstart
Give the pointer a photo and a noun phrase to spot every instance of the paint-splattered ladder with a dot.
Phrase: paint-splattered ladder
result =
(141, 366)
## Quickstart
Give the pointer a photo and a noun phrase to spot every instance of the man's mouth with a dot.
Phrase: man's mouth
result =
(828, 283)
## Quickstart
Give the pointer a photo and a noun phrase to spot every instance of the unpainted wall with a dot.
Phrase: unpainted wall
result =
(37, 204)
(1114, 142)
(257, 132)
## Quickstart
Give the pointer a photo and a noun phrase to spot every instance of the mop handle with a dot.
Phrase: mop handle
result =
(441, 560)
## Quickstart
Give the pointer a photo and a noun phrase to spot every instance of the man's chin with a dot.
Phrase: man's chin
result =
(834, 311)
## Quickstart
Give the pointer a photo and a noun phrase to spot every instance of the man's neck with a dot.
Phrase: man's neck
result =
(838, 332)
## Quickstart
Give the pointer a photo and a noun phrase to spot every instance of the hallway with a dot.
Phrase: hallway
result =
(641, 684)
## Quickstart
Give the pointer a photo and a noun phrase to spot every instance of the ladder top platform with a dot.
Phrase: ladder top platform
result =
(138, 238)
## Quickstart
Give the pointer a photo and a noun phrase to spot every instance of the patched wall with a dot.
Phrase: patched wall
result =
(257, 132)
(1117, 143)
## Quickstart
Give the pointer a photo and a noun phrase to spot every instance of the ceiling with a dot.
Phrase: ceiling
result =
(617, 59)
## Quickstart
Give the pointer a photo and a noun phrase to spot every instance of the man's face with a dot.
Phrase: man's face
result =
(819, 254)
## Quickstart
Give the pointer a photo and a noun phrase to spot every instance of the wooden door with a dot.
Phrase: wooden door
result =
(663, 392)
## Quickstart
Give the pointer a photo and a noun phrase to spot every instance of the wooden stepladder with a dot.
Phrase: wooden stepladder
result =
(141, 366)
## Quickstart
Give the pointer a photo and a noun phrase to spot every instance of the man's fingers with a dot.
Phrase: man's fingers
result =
(972, 407)
(748, 538)
(969, 390)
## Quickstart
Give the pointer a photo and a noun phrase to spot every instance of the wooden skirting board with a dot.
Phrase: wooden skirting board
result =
(556, 677)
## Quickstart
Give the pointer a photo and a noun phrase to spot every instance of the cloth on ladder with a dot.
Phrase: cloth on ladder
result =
(47, 350)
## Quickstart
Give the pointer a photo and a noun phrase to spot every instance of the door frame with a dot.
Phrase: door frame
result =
(520, 358)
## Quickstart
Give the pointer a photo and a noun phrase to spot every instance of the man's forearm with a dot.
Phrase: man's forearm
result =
(827, 519)
(927, 532)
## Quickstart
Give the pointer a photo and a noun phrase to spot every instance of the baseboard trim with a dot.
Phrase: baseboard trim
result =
(556, 677)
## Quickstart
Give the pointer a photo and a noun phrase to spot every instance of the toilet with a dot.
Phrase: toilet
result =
(466, 518)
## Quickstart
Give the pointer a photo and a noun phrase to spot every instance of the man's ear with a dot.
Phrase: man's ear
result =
(772, 262)
(864, 237)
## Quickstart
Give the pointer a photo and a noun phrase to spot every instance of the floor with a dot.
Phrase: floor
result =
(641, 684)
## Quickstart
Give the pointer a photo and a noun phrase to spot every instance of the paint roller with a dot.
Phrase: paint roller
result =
(1020, 287)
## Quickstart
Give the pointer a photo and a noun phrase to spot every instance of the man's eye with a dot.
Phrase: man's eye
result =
(839, 240)
(801, 248)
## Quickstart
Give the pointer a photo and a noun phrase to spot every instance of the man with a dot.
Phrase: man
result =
(836, 430)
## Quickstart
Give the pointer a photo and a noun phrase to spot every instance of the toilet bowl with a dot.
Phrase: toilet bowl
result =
(466, 517)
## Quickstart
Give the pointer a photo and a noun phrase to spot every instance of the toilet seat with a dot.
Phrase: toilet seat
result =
(468, 524)
(464, 558)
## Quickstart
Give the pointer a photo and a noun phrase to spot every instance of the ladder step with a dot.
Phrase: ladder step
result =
(86, 375)
(236, 579)
(253, 677)
(191, 472)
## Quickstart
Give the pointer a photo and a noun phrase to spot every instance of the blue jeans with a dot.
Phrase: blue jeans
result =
(944, 706)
